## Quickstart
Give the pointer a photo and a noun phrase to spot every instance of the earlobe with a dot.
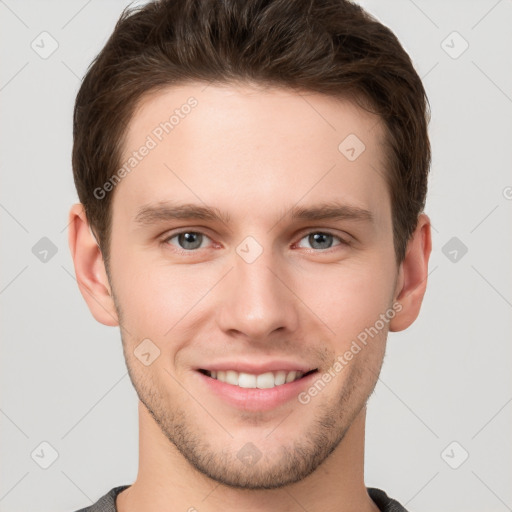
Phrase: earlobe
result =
(412, 277)
(90, 270)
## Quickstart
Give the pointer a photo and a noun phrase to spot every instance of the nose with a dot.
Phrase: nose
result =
(257, 299)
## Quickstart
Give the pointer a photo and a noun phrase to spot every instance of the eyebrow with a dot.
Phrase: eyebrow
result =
(164, 211)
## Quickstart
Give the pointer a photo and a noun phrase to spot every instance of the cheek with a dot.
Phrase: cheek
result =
(155, 296)
(348, 297)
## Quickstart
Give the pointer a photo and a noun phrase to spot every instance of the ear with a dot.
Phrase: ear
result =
(412, 276)
(90, 269)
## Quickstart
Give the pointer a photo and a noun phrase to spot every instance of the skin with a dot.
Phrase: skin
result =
(253, 153)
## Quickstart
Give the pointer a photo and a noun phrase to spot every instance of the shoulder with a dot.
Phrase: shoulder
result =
(383, 501)
(107, 503)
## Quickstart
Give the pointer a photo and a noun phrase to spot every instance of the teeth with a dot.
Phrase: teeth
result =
(263, 381)
(246, 380)
(232, 377)
(291, 376)
(279, 378)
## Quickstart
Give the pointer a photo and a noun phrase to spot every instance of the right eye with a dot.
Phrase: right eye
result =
(188, 241)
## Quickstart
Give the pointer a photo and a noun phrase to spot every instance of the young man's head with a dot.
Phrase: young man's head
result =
(255, 174)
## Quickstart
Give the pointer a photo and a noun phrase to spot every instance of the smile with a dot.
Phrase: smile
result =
(265, 380)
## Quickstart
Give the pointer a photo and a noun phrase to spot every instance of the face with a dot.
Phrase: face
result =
(249, 246)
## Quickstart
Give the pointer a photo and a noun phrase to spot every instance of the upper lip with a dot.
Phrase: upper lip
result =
(258, 368)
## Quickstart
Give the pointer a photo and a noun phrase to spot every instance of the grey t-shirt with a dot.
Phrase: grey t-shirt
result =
(107, 503)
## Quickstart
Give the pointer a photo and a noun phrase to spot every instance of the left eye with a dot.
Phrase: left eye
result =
(321, 241)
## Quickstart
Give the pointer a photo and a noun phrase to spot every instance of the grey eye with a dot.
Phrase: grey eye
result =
(320, 240)
(188, 240)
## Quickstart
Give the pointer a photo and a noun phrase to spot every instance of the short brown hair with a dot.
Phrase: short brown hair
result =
(327, 46)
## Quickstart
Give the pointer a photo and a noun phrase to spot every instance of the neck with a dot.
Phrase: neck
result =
(165, 477)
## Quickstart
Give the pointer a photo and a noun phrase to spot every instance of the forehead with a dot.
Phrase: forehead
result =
(254, 149)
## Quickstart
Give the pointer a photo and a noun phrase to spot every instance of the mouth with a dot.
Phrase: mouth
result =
(255, 385)
(267, 380)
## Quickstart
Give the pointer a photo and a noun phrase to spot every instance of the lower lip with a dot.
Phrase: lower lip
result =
(251, 399)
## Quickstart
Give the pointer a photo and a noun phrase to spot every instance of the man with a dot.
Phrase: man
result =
(252, 177)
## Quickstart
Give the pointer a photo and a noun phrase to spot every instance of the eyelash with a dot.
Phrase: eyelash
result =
(165, 241)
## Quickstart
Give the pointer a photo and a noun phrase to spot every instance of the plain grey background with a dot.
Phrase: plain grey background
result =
(445, 389)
